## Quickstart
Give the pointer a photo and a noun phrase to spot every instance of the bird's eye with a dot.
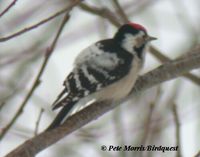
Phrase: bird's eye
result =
(144, 36)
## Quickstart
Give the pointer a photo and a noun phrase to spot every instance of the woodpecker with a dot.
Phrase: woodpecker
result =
(106, 70)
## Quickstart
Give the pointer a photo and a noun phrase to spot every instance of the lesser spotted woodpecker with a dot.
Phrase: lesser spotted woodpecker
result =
(106, 70)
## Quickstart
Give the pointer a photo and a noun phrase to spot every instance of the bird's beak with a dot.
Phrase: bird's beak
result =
(150, 38)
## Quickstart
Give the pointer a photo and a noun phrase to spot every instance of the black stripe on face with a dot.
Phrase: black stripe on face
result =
(96, 74)
(72, 83)
(85, 82)
(140, 51)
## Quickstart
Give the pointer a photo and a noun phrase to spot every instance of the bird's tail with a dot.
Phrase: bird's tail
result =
(67, 103)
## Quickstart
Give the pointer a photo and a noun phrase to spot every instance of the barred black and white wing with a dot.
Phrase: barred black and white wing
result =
(95, 68)
(98, 66)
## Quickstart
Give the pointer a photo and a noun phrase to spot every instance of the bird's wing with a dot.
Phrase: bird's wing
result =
(94, 69)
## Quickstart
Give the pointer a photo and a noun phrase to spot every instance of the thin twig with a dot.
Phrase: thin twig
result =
(29, 28)
(147, 124)
(102, 12)
(163, 73)
(178, 131)
(2, 104)
(38, 122)
(119, 131)
(8, 8)
(120, 11)
(49, 51)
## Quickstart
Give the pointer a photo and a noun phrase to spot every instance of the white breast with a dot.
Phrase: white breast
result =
(121, 88)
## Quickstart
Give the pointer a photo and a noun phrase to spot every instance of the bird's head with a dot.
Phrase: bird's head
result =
(132, 36)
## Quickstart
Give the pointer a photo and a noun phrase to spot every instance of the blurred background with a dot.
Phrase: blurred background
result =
(150, 118)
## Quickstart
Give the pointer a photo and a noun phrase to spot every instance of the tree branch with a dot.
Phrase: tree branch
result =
(178, 130)
(162, 58)
(198, 154)
(66, 9)
(148, 121)
(161, 74)
(49, 51)
(120, 11)
(38, 122)
(102, 12)
(8, 8)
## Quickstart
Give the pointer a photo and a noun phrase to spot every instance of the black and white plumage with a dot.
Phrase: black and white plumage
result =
(106, 70)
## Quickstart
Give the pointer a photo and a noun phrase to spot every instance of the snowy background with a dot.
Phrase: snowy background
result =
(176, 25)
